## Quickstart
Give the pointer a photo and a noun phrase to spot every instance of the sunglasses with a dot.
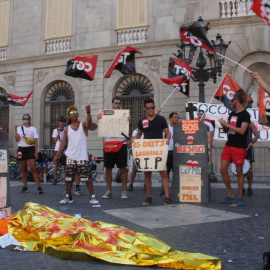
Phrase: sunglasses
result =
(117, 102)
(26, 119)
(150, 108)
(74, 112)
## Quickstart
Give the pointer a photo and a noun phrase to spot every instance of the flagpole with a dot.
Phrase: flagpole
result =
(95, 90)
(233, 62)
(217, 88)
(183, 106)
(91, 91)
(169, 96)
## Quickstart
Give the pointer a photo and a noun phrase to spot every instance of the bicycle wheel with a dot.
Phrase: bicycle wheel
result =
(12, 173)
(93, 174)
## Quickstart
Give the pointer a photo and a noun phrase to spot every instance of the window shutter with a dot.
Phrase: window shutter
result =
(135, 13)
(58, 18)
(4, 23)
(143, 13)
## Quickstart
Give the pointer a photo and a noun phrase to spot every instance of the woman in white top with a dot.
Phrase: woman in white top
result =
(27, 137)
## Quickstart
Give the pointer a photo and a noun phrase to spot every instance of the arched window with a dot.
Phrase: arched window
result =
(133, 91)
(4, 114)
(58, 99)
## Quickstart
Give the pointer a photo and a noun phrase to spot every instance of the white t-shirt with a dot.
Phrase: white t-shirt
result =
(29, 132)
(170, 147)
(210, 126)
(54, 135)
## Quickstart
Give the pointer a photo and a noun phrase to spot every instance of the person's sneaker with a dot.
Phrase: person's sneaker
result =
(227, 199)
(24, 190)
(93, 200)
(130, 187)
(78, 192)
(244, 191)
(147, 201)
(162, 192)
(168, 202)
(107, 195)
(54, 182)
(124, 195)
(66, 200)
(240, 202)
(249, 192)
(40, 190)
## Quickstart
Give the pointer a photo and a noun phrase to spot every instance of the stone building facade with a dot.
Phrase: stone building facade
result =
(37, 37)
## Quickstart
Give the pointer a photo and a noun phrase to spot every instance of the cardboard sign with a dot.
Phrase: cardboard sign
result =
(190, 184)
(150, 154)
(3, 161)
(113, 123)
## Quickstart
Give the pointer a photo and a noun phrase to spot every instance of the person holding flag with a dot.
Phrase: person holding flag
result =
(235, 148)
(263, 84)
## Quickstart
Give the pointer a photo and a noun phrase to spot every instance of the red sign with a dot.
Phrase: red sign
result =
(190, 126)
(191, 149)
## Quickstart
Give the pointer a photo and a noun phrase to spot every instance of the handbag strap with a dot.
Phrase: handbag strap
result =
(23, 131)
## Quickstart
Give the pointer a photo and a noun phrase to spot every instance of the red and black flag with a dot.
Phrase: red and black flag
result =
(178, 68)
(227, 89)
(182, 83)
(124, 62)
(195, 34)
(82, 67)
(15, 100)
(262, 9)
(264, 108)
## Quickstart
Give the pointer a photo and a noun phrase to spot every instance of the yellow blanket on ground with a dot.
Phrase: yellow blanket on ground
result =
(41, 228)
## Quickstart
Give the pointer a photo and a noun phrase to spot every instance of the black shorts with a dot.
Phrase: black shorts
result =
(250, 155)
(170, 161)
(119, 158)
(25, 153)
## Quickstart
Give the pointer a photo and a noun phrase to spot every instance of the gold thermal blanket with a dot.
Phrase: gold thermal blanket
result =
(41, 228)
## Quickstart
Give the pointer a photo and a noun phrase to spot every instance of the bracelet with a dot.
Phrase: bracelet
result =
(88, 112)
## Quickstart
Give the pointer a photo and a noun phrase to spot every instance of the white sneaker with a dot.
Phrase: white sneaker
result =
(107, 195)
(66, 200)
(78, 191)
(124, 195)
(94, 200)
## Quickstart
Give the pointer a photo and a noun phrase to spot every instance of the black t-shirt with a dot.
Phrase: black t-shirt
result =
(153, 129)
(236, 120)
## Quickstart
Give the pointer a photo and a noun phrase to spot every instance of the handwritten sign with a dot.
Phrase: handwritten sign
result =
(3, 192)
(150, 154)
(190, 184)
(3, 161)
(113, 123)
(191, 149)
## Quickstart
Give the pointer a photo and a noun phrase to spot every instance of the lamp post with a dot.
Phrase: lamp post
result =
(200, 73)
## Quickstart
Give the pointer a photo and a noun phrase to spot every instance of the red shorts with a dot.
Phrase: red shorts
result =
(234, 154)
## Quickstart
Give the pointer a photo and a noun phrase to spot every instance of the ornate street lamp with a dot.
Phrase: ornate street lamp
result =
(200, 73)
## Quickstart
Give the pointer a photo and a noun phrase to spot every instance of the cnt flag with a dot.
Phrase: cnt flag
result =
(195, 34)
(264, 108)
(227, 88)
(124, 62)
(14, 100)
(82, 67)
(262, 9)
(178, 82)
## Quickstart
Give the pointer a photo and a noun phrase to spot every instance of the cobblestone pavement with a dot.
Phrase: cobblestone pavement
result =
(239, 243)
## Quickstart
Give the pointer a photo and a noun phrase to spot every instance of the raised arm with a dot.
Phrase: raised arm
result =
(264, 85)
(88, 118)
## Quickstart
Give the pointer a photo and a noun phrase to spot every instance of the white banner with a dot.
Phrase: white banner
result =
(150, 154)
(218, 111)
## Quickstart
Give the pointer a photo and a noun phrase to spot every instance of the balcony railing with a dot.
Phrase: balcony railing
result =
(129, 36)
(235, 8)
(3, 54)
(58, 45)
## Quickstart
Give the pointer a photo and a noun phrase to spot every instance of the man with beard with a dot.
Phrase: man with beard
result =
(119, 158)
(152, 126)
(235, 148)
(75, 134)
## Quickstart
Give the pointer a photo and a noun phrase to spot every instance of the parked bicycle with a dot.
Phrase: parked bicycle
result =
(15, 171)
